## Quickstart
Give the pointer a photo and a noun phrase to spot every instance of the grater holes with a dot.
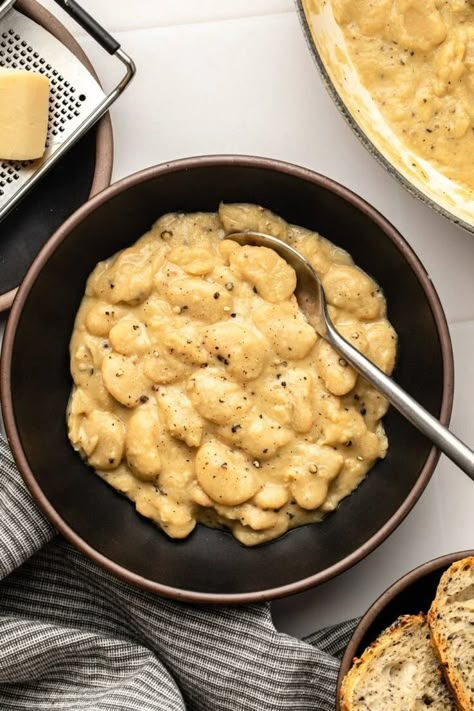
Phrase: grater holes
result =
(9, 172)
(65, 103)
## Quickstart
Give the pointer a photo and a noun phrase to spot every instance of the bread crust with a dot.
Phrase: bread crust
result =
(361, 665)
(439, 638)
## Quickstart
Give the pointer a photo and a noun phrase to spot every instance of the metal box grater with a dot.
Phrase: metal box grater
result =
(76, 100)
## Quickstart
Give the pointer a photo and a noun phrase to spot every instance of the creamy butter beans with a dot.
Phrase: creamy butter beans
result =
(416, 58)
(202, 393)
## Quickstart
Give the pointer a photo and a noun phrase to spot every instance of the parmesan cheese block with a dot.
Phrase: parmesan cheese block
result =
(24, 98)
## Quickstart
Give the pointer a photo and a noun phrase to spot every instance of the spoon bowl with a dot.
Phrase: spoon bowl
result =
(311, 298)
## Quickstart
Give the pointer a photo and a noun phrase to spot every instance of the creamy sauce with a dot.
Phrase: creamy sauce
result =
(416, 57)
(202, 393)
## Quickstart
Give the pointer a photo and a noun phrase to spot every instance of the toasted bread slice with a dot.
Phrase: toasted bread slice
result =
(451, 621)
(398, 672)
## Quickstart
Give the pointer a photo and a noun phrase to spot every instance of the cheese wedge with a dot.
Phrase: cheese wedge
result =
(24, 107)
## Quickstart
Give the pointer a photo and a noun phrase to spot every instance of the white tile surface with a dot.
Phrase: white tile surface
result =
(249, 85)
(235, 76)
(123, 15)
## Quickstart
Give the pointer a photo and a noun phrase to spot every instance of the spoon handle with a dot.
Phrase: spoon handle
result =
(448, 443)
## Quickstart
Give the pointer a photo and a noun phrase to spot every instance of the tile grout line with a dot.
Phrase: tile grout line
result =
(192, 23)
(461, 322)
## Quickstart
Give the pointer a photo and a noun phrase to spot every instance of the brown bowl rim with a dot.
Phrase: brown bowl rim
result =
(183, 165)
(104, 137)
(384, 599)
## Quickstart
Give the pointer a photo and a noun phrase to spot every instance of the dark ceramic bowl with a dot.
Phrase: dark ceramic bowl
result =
(210, 566)
(410, 595)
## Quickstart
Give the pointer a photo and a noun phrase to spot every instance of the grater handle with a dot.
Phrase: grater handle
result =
(89, 25)
(5, 7)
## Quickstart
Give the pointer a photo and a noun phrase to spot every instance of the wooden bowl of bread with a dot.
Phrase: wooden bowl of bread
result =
(414, 647)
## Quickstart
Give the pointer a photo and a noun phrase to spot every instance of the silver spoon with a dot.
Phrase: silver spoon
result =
(312, 300)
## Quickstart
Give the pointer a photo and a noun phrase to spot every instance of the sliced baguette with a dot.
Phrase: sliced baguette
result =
(397, 672)
(451, 621)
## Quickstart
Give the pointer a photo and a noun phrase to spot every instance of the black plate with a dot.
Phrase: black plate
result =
(210, 565)
(86, 168)
(32, 222)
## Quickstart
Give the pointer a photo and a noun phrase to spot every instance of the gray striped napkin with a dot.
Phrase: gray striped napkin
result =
(74, 637)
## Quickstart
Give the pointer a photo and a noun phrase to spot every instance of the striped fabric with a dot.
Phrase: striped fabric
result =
(74, 637)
